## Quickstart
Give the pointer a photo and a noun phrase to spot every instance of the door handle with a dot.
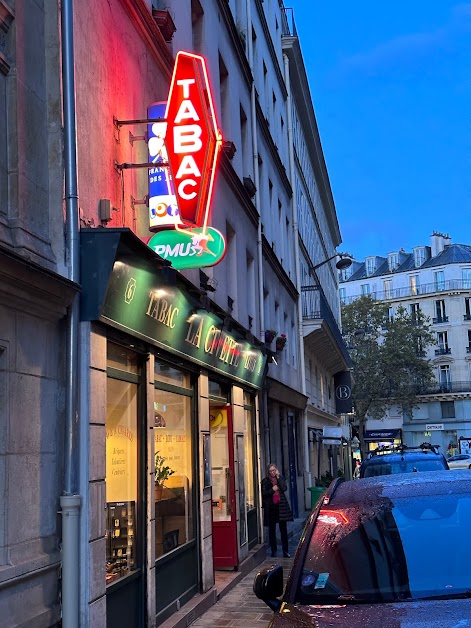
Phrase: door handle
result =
(228, 491)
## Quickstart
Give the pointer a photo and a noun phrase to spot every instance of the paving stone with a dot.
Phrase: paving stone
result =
(239, 607)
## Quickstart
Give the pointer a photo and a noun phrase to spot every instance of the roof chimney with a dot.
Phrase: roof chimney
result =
(438, 241)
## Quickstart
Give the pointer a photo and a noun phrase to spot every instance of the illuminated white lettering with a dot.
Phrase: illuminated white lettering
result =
(186, 111)
(181, 189)
(185, 83)
(188, 166)
(187, 138)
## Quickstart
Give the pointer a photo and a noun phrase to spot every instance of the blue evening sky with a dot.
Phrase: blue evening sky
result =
(391, 85)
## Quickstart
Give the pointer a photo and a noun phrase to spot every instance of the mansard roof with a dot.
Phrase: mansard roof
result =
(451, 254)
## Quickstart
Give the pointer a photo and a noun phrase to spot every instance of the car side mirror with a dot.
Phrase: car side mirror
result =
(268, 586)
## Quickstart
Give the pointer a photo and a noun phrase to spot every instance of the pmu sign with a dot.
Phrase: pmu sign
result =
(192, 139)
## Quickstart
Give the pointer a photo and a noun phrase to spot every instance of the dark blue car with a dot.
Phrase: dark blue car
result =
(403, 460)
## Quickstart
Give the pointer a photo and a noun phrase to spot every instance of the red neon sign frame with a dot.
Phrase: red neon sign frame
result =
(192, 138)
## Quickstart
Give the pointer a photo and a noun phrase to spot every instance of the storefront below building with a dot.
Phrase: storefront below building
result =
(378, 439)
(177, 466)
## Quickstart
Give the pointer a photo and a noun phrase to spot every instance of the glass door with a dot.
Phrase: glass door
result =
(223, 486)
(176, 549)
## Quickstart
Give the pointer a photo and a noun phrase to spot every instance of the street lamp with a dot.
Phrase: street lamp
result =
(344, 262)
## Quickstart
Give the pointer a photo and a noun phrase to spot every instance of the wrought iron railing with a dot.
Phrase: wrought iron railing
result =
(288, 27)
(406, 292)
(443, 387)
(316, 307)
(443, 351)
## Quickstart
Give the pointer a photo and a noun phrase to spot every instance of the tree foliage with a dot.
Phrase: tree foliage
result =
(388, 357)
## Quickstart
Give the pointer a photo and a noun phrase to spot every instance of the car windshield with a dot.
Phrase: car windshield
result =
(389, 549)
(402, 466)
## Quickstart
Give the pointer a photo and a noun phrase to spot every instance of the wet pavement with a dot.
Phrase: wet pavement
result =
(239, 607)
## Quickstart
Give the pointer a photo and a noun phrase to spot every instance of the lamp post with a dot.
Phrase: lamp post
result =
(344, 262)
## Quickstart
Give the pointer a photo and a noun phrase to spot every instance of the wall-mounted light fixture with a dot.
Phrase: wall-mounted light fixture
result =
(343, 263)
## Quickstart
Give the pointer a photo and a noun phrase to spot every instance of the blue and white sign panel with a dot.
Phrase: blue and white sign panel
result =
(163, 208)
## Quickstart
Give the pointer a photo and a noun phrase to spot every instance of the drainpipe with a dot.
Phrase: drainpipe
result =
(70, 499)
(266, 427)
(305, 433)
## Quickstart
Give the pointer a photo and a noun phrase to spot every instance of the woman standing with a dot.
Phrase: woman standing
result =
(276, 508)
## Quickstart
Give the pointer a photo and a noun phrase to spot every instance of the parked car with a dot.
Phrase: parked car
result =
(403, 460)
(460, 461)
(381, 551)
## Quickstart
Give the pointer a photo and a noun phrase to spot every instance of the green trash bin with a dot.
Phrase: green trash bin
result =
(316, 492)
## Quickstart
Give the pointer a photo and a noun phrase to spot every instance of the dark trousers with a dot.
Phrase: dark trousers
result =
(283, 533)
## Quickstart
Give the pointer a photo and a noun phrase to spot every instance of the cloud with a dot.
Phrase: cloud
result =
(405, 48)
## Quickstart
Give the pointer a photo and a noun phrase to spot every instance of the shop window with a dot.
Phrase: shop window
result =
(167, 374)
(122, 359)
(173, 474)
(219, 392)
(121, 478)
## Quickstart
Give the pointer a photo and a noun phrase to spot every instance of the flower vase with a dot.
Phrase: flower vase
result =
(158, 491)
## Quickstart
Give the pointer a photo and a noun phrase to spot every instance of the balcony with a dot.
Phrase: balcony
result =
(321, 333)
(288, 27)
(443, 351)
(440, 319)
(392, 294)
(444, 387)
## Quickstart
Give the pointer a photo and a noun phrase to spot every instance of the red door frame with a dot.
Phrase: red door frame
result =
(225, 549)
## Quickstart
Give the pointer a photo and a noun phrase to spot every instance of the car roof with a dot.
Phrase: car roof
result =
(365, 490)
(409, 455)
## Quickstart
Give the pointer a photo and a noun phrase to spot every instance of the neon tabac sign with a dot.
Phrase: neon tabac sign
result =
(187, 143)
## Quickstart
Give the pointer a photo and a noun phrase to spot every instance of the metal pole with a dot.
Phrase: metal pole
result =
(70, 500)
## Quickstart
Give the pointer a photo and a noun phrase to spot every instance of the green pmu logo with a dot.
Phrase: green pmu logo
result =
(194, 248)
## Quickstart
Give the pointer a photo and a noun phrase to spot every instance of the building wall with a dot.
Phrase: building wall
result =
(34, 296)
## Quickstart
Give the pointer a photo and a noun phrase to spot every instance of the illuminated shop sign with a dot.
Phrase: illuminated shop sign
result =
(190, 249)
(190, 141)
(137, 300)
(163, 207)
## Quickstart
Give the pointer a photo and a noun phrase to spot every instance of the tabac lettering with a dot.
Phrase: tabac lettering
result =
(162, 310)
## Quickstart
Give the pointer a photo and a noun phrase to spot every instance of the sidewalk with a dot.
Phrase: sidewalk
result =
(241, 607)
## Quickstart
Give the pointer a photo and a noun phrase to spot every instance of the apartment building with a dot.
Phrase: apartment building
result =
(434, 278)
(145, 396)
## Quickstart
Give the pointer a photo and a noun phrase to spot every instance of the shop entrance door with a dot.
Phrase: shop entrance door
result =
(223, 487)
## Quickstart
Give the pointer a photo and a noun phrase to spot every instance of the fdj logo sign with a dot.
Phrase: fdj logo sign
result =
(163, 208)
(180, 195)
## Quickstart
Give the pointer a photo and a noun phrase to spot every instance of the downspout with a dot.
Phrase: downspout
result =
(253, 105)
(70, 499)
(305, 433)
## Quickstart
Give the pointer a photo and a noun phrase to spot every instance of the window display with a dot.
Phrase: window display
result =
(121, 469)
(120, 544)
(173, 476)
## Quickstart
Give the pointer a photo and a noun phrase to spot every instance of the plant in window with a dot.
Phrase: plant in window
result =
(270, 335)
(162, 471)
(280, 342)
